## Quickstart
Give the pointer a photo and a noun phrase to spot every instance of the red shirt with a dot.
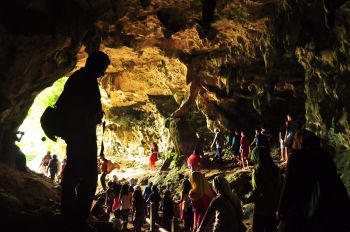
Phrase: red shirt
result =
(193, 160)
(245, 146)
(153, 158)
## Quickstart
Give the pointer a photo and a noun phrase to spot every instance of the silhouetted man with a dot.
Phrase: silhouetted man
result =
(80, 106)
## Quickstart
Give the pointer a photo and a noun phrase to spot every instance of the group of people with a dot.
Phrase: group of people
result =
(309, 197)
(241, 148)
(199, 201)
(126, 202)
(52, 167)
(237, 143)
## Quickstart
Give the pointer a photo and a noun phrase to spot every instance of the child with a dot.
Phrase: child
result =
(152, 160)
(244, 149)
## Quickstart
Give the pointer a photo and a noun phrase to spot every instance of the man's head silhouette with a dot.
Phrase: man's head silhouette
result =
(97, 63)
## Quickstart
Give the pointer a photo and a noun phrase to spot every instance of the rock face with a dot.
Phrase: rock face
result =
(257, 61)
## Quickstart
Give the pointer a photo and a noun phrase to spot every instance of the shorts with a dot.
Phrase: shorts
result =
(282, 144)
(289, 141)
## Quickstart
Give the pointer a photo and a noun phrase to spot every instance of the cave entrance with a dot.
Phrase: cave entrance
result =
(34, 144)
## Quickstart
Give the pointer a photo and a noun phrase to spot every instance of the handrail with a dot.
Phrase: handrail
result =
(154, 225)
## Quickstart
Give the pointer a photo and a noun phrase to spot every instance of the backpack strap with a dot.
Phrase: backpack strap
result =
(102, 145)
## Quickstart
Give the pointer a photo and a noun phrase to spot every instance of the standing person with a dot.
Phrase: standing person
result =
(260, 140)
(314, 198)
(186, 210)
(53, 167)
(267, 184)
(125, 202)
(226, 207)
(63, 165)
(219, 141)
(154, 198)
(103, 169)
(146, 193)
(152, 161)
(109, 197)
(154, 147)
(138, 209)
(265, 131)
(80, 109)
(168, 210)
(244, 149)
(201, 195)
(281, 136)
(44, 162)
(193, 161)
(292, 128)
(236, 142)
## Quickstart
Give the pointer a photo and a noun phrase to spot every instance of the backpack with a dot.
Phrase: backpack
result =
(328, 204)
(51, 123)
(53, 165)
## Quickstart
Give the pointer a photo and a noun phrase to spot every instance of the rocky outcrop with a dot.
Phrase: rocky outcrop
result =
(26, 195)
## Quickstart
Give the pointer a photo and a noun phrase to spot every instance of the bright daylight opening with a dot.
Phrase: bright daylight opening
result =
(34, 144)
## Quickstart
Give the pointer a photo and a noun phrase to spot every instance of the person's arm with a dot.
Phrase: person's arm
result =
(132, 210)
(48, 166)
(215, 137)
(208, 215)
(252, 144)
(280, 136)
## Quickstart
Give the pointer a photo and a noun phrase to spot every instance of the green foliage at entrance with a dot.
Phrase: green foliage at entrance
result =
(32, 144)
(174, 157)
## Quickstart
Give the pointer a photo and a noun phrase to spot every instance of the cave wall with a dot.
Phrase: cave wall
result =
(39, 42)
(324, 54)
(257, 61)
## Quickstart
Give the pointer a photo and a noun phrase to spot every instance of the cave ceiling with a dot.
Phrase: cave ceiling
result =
(247, 68)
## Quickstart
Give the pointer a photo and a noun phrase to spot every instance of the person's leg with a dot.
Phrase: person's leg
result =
(220, 154)
(87, 186)
(86, 194)
(69, 182)
(285, 154)
(282, 151)
(52, 175)
(103, 181)
(83, 161)
(242, 161)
